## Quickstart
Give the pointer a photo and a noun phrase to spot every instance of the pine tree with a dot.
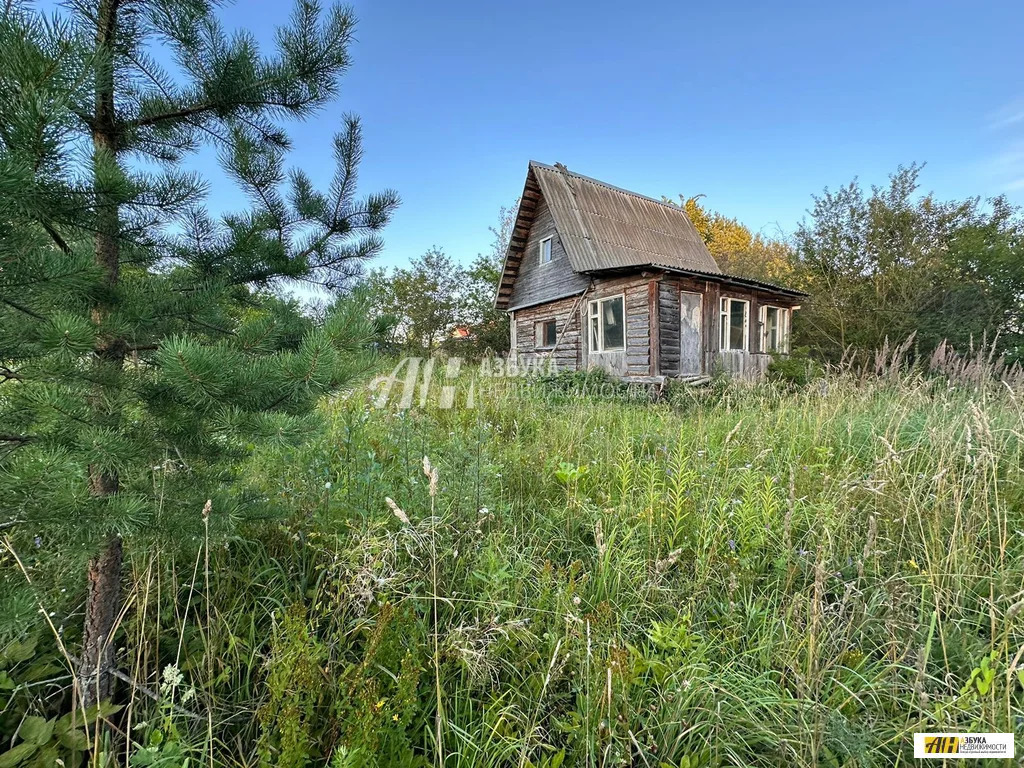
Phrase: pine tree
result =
(139, 335)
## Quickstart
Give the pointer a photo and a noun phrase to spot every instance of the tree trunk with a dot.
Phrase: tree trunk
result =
(102, 606)
(104, 595)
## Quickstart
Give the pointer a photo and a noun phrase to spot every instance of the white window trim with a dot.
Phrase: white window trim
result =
(551, 250)
(785, 318)
(600, 325)
(725, 321)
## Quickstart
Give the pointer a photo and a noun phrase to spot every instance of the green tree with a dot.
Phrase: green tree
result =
(489, 324)
(985, 280)
(421, 304)
(893, 263)
(140, 352)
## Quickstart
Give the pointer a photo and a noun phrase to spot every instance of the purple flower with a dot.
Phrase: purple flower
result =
(732, 544)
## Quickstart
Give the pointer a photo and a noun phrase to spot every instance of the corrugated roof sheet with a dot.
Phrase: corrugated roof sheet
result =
(604, 227)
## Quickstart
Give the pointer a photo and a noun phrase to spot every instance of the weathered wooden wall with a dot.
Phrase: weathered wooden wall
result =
(566, 354)
(671, 285)
(635, 360)
(538, 282)
(733, 362)
(652, 316)
(748, 366)
(668, 322)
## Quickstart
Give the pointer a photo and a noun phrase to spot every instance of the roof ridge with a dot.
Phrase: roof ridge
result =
(592, 180)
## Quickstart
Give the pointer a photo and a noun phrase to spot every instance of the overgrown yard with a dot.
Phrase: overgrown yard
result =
(748, 576)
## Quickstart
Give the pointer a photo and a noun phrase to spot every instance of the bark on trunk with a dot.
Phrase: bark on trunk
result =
(102, 606)
(104, 578)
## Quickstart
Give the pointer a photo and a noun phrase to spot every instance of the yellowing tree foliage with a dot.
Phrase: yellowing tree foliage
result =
(737, 250)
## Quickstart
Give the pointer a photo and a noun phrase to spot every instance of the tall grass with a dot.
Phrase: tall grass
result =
(751, 576)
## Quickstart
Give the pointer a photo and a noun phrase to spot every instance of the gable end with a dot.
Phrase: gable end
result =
(517, 241)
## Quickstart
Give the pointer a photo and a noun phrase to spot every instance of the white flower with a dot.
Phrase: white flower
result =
(327, 485)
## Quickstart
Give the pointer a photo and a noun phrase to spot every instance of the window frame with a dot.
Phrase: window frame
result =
(782, 348)
(725, 324)
(550, 240)
(538, 333)
(594, 312)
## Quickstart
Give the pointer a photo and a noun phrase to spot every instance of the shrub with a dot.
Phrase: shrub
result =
(797, 368)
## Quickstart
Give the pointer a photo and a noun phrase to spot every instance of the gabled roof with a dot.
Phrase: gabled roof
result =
(604, 227)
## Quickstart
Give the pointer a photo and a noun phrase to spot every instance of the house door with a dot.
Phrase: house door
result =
(690, 334)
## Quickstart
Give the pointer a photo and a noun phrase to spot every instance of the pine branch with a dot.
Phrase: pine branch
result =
(207, 107)
(20, 308)
(55, 236)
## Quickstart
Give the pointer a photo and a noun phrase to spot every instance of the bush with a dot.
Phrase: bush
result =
(797, 368)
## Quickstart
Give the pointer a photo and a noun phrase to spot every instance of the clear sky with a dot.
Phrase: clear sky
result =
(757, 105)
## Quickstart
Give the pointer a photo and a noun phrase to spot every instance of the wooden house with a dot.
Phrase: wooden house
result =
(597, 276)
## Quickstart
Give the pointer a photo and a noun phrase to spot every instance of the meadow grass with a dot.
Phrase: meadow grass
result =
(749, 576)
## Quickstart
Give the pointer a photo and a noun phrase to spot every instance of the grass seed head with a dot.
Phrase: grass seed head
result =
(397, 510)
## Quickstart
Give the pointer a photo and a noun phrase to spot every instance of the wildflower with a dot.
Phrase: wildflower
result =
(576, 600)
(394, 718)
(380, 705)
(172, 678)
(732, 544)
(327, 485)
(404, 518)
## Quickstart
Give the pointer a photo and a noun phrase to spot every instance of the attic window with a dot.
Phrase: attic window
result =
(545, 250)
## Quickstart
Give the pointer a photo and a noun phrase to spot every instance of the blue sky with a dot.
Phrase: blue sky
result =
(755, 105)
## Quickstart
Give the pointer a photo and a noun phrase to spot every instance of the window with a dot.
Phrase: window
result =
(734, 323)
(547, 333)
(607, 325)
(545, 250)
(774, 329)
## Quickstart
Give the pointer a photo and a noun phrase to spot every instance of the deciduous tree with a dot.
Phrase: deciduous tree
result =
(736, 249)
(421, 303)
